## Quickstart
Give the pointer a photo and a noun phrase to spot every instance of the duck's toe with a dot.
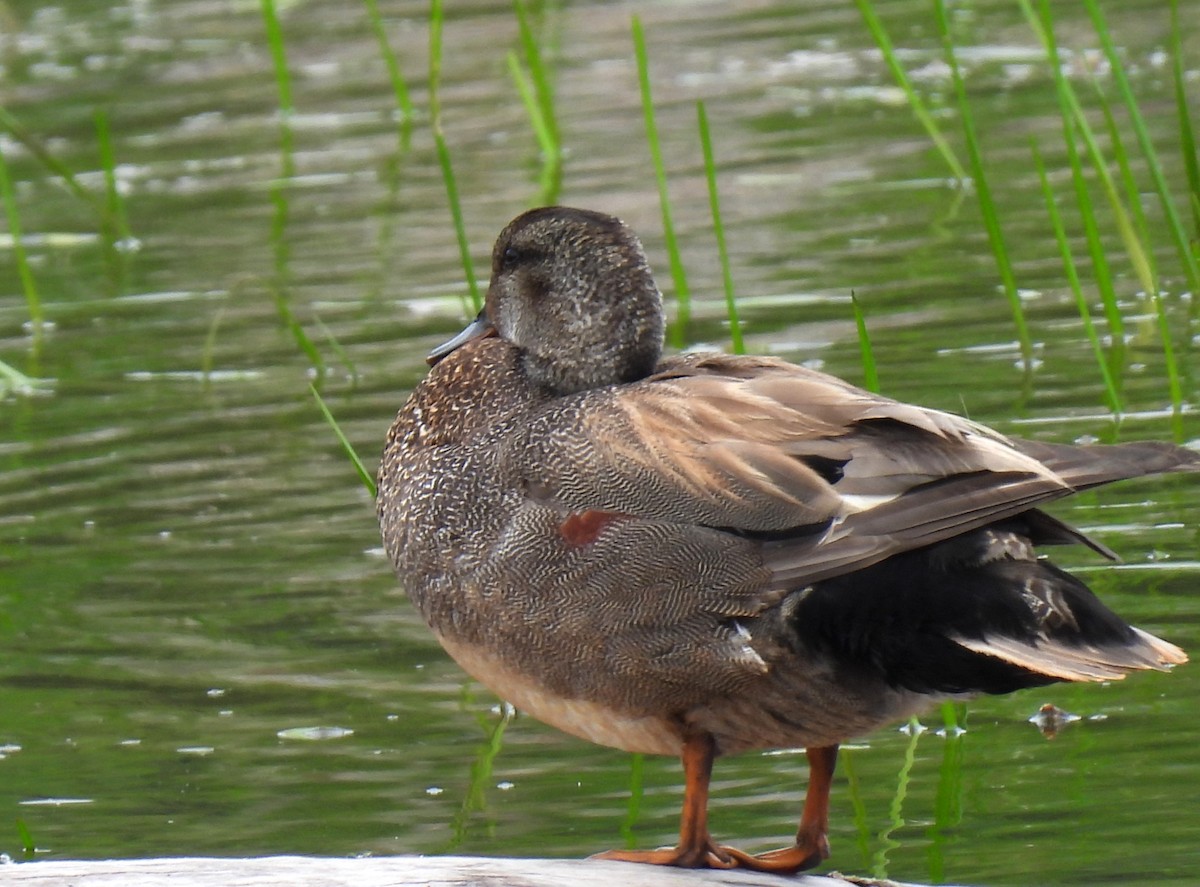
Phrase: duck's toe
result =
(784, 861)
(705, 855)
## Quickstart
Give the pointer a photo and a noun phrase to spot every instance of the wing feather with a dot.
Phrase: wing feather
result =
(835, 477)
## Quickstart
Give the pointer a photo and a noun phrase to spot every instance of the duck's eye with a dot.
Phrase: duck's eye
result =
(510, 257)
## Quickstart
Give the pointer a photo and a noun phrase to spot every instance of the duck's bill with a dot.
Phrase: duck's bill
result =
(476, 329)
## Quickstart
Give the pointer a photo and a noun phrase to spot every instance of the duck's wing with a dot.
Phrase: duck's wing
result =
(828, 477)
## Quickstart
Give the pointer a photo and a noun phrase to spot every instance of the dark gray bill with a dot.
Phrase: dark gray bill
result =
(476, 329)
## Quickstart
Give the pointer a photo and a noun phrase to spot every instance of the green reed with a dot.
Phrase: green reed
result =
(1175, 226)
(714, 205)
(879, 867)
(210, 344)
(1075, 121)
(678, 333)
(436, 25)
(363, 475)
(33, 301)
(1131, 224)
(1069, 268)
(537, 95)
(475, 799)
(948, 803)
(28, 847)
(550, 181)
(870, 372)
(114, 204)
(116, 232)
(38, 151)
(1120, 189)
(983, 191)
(395, 75)
(283, 78)
(1135, 234)
(279, 190)
(915, 102)
(637, 794)
(862, 826)
(1187, 137)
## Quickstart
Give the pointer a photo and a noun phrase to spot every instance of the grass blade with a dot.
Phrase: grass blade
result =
(1138, 254)
(395, 74)
(1134, 234)
(870, 373)
(279, 193)
(1187, 137)
(33, 301)
(283, 79)
(987, 205)
(875, 26)
(1074, 119)
(714, 203)
(338, 350)
(551, 179)
(1174, 223)
(116, 235)
(113, 203)
(538, 98)
(363, 475)
(210, 345)
(537, 70)
(677, 335)
(436, 23)
(28, 847)
(537, 120)
(1064, 248)
(637, 792)
(18, 131)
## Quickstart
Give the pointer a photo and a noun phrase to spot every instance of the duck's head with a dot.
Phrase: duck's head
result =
(572, 290)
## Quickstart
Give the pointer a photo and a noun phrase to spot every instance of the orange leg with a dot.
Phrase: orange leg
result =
(698, 850)
(812, 838)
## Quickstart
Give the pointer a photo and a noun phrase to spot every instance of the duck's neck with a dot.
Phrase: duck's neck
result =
(608, 364)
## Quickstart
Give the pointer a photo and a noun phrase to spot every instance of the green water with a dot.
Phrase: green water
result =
(189, 566)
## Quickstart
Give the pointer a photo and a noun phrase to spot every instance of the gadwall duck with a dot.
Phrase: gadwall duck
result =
(706, 554)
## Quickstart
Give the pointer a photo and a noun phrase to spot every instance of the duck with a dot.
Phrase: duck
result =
(706, 554)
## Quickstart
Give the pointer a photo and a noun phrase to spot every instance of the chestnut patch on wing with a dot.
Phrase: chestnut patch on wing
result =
(581, 528)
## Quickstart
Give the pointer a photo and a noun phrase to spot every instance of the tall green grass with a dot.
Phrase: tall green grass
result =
(60, 170)
(33, 300)
(537, 94)
(279, 190)
(400, 91)
(1090, 166)
(114, 203)
(1072, 273)
(1150, 156)
(116, 234)
(363, 475)
(1187, 137)
(436, 24)
(714, 205)
(677, 334)
(915, 102)
(870, 371)
(983, 190)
